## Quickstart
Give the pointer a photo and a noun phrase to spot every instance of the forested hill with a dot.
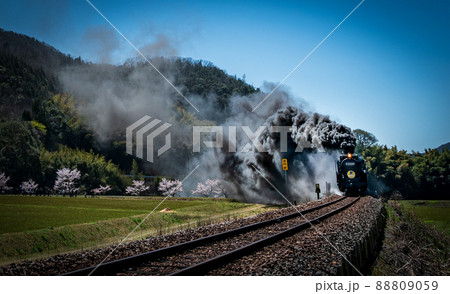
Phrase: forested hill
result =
(31, 88)
(444, 147)
(42, 129)
(29, 70)
(34, 53)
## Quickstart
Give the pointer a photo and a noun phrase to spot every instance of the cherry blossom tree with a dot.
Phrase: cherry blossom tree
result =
(3, 180)
(209, 188)
(101, 190)
(137, 188)
(29, 186)
(170, 187)
(66, 181)
(220, 190)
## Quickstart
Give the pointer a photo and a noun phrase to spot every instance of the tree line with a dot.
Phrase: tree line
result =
(396, 172)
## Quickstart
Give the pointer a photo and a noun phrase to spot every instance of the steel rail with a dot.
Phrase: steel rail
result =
(215, 262)
(116, 266)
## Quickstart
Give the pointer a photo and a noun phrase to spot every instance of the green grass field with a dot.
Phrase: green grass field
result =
(24, 213)
(433, 212)
(32, 226)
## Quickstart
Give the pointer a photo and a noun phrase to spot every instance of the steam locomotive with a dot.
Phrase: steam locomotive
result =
(351, 174)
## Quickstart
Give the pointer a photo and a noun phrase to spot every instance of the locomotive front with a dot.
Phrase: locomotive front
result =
(351, 175)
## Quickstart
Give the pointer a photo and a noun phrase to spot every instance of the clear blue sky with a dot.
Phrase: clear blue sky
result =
(385, 70)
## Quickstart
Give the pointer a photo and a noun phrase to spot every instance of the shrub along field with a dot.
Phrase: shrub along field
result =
(33, 227)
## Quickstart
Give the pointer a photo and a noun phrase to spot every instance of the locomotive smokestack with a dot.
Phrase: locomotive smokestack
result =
(348, 149)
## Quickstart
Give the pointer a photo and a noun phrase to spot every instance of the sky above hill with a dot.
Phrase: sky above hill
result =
(386, 69)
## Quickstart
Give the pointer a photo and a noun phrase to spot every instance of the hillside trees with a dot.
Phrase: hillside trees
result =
(63, 123)
(203, 78)
(19, 152)
(23, 156)
(94, 168)
(135, 174)
(414, 175)
(37, 54)
(21, 85)
(364, 140)
(432, 172)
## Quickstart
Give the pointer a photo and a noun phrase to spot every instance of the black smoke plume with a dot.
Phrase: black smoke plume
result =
(313, 144)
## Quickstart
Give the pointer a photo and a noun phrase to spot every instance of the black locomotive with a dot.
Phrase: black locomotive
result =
(351, 174)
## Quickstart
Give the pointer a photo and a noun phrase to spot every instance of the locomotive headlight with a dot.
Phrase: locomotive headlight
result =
(349, 155)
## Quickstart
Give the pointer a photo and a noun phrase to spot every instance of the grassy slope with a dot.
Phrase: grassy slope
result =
(32, 227)
(412, 246)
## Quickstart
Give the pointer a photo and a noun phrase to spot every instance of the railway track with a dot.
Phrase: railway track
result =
(201, 255)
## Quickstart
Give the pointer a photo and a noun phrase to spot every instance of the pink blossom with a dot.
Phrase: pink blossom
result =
(170, 187)
(210, 188)
(66, 180)
(29, 186)
(3, 180)
(137, 188)
(101, 190)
